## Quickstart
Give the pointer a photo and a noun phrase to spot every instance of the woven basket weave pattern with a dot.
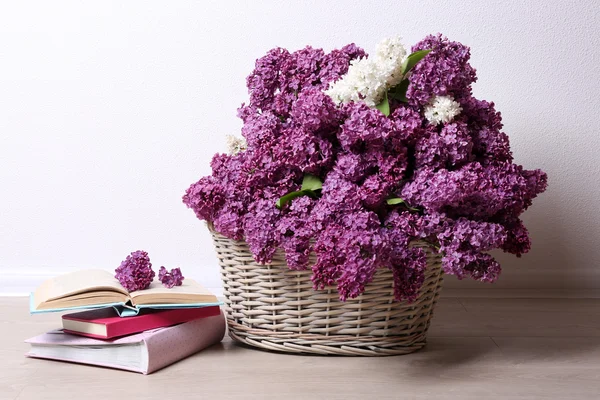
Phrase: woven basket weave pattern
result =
(275, 308)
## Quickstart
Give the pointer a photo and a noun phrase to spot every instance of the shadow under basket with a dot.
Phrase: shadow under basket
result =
(275, 308)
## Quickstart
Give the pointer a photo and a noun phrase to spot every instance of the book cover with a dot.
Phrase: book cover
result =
(106, 323)
(144, 352)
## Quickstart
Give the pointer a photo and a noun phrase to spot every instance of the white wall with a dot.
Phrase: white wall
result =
(109, 110)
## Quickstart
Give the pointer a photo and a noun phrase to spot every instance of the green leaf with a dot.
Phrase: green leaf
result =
(398, 92)
(311, 182)
(413, 59)
(283, 200)
(397, 200)
(310, 193)
(384, 106)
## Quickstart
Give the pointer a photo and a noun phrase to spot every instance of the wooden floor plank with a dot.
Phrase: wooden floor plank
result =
(477, 348)
(533, 317)
(552, 352)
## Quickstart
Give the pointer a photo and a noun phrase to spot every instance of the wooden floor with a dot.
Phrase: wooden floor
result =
(478, 349)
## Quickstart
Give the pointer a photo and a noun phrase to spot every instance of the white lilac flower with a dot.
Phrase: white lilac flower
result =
(442, 109)
(368, 79)
(390, 55)
(236, 144)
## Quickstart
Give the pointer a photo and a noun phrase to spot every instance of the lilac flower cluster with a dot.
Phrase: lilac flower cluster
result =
(170, 279)
(462, 193)
(135, 272)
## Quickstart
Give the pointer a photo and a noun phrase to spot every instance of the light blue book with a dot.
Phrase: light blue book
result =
(96, 288)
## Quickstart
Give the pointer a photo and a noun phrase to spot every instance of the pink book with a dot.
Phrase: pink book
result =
(105, 323)
(144, 352)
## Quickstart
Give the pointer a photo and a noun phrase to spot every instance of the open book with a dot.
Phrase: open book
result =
(96, 288)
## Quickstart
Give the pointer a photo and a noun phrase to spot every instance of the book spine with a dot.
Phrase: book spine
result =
(170, 345)
(129, 325)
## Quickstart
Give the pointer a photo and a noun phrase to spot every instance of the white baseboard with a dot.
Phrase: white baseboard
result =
(507, 293)
(23, 283)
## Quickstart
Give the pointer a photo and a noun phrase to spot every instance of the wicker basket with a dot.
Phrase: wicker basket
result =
(274, 308)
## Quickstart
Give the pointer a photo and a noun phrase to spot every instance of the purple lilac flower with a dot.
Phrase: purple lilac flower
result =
(263, 83)
(259, 226)
(478, 265)
(364, 126)
(336, 63)
(359, 236)
(485, 124)
(261, 129)
(463, 193)
(463, 243)
(447, 148)
(315, 111)
(299, 71)
(170, 279)
(475, 190)
(294, 233)
(444, 71)
(407, 128)
(135, 272)
(408, 272)
(374, 191)
(517, 241)
(408, 264)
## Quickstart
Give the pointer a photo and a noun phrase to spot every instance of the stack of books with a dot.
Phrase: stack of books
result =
(141, 331)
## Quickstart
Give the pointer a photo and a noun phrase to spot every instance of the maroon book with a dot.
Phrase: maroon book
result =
(105, 323)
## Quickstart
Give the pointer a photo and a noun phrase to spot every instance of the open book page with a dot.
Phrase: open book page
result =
(92, 286)
(189, 292)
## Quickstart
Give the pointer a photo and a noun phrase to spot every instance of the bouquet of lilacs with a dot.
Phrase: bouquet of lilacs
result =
(356, 157)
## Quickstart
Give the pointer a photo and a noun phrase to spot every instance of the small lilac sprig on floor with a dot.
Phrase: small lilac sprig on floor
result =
(170, 279)
(135, 272)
